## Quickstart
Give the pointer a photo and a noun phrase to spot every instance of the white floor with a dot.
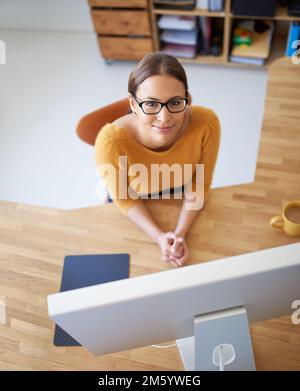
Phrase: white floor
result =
(51, 79)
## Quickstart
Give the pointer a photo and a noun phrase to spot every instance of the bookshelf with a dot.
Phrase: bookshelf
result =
(127, 30)
(278, 44)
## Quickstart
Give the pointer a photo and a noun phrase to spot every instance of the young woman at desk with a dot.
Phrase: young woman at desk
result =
(163, 128)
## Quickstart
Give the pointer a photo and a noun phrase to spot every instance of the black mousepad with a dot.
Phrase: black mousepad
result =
(81, 271)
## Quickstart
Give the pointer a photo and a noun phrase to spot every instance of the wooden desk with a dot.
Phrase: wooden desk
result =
(34, 241)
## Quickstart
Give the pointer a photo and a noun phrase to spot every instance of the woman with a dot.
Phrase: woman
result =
(163, 129)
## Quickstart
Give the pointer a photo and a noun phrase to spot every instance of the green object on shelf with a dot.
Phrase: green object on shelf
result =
(241, 37)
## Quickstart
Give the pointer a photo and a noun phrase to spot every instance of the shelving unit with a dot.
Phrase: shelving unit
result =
(278, 42)
(127, 30)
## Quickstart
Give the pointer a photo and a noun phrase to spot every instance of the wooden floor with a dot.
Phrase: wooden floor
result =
(34, 241)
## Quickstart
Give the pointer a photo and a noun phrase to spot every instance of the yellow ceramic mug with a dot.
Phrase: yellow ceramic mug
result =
(289, 220)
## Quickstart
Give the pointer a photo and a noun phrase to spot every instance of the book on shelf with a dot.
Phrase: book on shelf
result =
(215, 5)
(177, 22)
(184, 37)
(202, 4)
(256, 49)
(205, 35)
(293, 37)
(210, 36)
(178, 35)
(184, 51)
(247, 60)
(188, 36)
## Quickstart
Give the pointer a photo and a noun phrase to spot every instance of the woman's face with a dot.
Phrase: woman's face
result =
(162, 129)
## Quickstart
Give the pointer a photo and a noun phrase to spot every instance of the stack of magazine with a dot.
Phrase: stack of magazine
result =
(178, 35)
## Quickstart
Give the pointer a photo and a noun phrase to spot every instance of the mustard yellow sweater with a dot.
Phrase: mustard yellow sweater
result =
(199, 144)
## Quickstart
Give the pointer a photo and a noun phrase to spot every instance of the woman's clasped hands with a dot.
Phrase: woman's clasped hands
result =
(174, 249)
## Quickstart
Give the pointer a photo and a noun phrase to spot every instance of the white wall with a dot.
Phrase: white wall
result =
(60, 15)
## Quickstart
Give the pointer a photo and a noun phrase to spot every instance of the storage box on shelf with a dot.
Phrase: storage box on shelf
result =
(254, 8)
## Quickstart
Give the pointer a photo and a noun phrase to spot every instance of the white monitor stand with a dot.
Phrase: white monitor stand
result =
(212, 301)
(222, 341)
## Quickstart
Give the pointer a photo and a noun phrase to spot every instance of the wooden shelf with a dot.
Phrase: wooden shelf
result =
(195, 12)
(201, 59)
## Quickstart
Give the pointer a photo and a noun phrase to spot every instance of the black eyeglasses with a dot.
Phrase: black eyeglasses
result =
(175, 105)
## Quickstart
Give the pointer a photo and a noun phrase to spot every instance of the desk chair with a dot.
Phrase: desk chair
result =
(89, 126)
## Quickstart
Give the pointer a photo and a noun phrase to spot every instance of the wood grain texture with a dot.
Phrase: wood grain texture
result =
(121, 48)
(122, 22)
(34, 241)
(119, 3)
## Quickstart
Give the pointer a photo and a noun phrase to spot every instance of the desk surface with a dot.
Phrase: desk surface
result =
(34, 241)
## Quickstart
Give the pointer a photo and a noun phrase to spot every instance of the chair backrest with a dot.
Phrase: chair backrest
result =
(90, 125)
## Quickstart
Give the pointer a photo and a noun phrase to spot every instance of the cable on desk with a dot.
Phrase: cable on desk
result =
(164, 346)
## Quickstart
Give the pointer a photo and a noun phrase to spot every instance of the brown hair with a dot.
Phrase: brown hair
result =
(157, 63)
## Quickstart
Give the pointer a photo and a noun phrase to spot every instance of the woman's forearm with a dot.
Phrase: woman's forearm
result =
(186, 219)
(141, 216)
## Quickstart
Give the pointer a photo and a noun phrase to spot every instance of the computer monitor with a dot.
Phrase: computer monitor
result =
(213, 301)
